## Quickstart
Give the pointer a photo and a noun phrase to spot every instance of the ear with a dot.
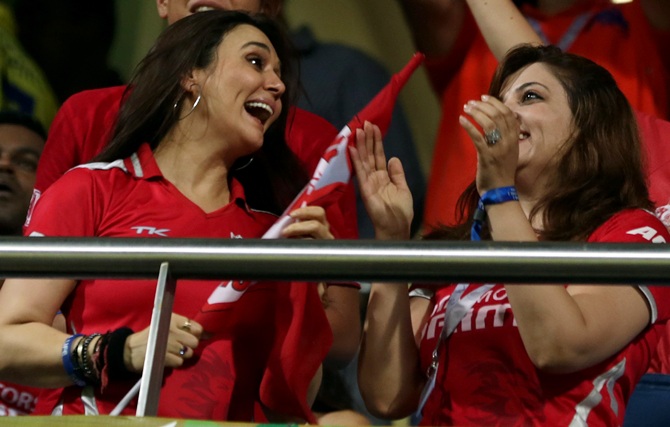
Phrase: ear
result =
(162, 6)
(189, 81)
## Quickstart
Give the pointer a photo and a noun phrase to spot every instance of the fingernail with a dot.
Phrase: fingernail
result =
(466, 108)
(485, 98)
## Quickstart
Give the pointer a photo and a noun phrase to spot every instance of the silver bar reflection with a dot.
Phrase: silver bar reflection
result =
(340, 260)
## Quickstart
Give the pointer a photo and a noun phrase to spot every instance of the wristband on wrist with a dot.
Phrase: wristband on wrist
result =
(113, 354)
(491, 197)
(66, 355)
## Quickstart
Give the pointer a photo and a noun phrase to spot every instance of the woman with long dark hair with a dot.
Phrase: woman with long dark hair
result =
(558, 160)
(198, 151)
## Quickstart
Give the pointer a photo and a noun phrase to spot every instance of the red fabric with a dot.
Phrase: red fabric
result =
(270, 321)
(83, 126)
(486, 377)
(17, 399)
(626, 47)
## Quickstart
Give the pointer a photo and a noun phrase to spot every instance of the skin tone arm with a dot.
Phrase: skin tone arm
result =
(390, 389)
(32, 346)
(339, 302)
(563, 329)
(435, 24)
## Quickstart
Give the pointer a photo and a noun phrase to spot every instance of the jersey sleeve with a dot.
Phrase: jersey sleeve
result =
(79, 131)
(639, 226)
(67, 209)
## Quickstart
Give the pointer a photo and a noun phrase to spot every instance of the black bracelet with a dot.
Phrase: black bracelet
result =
(116, 367)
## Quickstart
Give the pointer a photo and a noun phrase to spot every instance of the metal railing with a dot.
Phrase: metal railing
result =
(315, 260)
(362, 260)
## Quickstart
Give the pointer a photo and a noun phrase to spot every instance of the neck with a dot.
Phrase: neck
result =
(199, 174)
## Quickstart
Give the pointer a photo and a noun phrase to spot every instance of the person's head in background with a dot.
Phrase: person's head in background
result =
(173, 10)
(21, 142)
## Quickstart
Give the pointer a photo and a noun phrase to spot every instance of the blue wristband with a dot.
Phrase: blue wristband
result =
(491, 197)
(66, 355)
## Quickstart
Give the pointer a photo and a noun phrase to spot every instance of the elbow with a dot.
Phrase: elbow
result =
(386, 408)
(558, 360)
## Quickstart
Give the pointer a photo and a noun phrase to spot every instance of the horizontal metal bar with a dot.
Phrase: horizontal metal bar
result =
(339, 260)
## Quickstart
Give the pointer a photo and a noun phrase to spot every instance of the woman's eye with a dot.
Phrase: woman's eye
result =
(256, 61)
(529, 96)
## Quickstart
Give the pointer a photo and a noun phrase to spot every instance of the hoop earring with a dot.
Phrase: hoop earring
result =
(251, 159)
(195, 104)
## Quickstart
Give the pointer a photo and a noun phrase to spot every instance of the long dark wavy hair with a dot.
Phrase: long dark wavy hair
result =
(275, 176)
(600, 170)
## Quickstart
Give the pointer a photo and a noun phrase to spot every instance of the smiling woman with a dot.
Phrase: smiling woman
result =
(566, 166)
(212, 93)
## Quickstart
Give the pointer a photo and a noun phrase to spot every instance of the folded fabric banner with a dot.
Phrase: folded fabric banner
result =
(328, 182)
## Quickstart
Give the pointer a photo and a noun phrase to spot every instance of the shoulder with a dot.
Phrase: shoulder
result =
(103, 97)
(631, 226)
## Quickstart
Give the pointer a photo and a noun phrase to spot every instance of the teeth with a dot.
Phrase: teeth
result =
(262, 105)
(204, 8)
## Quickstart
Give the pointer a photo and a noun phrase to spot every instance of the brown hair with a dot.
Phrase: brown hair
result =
(600, 170)
(275, 176)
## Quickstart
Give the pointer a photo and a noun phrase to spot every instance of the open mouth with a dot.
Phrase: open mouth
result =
(203, 9)
(260, 110)
(523, 135)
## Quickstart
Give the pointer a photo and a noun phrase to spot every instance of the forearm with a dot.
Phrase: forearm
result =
(342, 307)
(502, 25)
(389, 375)
(31, 355)
(435, 24)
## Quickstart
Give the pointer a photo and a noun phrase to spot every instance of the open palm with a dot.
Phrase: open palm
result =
(383, 187)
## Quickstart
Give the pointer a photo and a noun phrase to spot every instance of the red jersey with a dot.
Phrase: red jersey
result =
(268, 327)
(618, 37)
(17, 399)
(485, 376)
(84, 123)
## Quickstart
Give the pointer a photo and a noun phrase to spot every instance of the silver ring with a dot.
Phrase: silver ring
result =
(183, 350)
(493, 137)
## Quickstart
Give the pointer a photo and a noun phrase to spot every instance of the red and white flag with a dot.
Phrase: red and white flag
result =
(329, 180)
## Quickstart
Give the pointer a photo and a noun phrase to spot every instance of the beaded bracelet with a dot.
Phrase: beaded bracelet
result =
(491, 197)
(66, 355)
(86, 363)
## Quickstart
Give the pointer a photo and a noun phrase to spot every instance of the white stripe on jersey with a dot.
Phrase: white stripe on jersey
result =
(608, 379)
(103, 165)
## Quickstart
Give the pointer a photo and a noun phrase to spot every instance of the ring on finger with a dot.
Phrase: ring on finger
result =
(183, 350)
(186, 326)
(493, 137)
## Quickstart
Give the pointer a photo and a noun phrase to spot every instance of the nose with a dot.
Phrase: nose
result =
(6, 162)
(275, 84)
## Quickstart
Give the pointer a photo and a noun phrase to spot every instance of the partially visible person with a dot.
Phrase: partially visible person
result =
(631, 40)
(21, 141)
(198, 150)
(337, 82)
(25, 88)
(558, 159)
(83, 126)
